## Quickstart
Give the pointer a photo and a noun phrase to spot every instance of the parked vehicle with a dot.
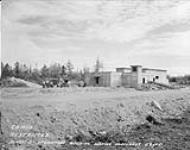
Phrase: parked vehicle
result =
(54, 82)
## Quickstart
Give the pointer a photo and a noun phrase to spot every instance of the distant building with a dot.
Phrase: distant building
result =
(128, 77)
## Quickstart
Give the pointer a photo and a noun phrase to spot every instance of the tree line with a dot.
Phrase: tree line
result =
(180, 79)
(56, 70)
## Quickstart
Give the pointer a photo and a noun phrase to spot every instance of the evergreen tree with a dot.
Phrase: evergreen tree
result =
(63, 70)
(24, 72)
(6, 71)
(45, 72)
(70, 68)
(55, 70)
(36, 76)
(86, 75)
(2, 66)
(17, 70)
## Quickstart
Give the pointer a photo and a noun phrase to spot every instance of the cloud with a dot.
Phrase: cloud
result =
(107, 28)
(32, 20)
(120, 21)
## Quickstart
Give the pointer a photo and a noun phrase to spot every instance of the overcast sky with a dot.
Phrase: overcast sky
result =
(153, 33)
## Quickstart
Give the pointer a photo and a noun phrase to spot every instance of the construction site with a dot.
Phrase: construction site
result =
(133, 77)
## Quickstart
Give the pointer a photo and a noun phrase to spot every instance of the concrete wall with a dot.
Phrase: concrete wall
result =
(150, 75)
(104, 79)
(123, 70)
(129, 79)
(136, 72)
(115, 79)
(134, 79)
(139, 75)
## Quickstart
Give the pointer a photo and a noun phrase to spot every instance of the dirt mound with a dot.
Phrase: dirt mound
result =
(156, 86)
(16, 82)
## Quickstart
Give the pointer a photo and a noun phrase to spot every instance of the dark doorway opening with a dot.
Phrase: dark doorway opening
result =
(134, 69)
(97, 80)
(157, 77)
(143, 80)
(153, 79)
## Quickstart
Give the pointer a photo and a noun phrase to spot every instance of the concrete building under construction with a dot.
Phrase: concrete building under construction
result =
(128, 77)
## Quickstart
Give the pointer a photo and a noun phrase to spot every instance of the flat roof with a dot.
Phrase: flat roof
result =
(136, 65)
(155, 69)
(123, 68)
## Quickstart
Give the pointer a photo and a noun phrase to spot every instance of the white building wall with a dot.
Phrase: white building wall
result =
(105, 79)
(150, 75)
(115, 79)
(129, 80)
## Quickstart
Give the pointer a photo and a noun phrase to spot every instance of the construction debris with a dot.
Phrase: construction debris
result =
(156, 105)
(155, 86)
(153, 120)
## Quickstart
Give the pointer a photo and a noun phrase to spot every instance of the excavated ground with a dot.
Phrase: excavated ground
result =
(94, 118)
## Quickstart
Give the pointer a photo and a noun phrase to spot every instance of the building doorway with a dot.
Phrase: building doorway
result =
(143, 80)
(97, 80)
